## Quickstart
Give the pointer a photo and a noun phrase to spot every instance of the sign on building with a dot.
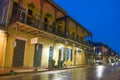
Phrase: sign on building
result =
(34, 41)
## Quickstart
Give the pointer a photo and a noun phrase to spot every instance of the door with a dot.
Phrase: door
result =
(18, 55)
(69, 54)
(51, 53)
(75, 52)
(64, 54)
(37, 55)
(60, 57)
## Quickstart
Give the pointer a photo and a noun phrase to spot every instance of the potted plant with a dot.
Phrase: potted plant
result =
(31, 5)
(48, 15)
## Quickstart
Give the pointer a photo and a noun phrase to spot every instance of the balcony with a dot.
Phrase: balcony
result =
(45, 28)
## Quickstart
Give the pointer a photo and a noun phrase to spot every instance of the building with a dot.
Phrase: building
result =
(104, 54)
(3, 33)
(113, 56)
(39, 33)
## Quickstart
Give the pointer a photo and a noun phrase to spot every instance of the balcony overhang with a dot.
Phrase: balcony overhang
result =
(71, 42)
(29, 29)
(36, 31)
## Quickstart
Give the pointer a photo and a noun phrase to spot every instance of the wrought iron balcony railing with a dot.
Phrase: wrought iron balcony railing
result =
(32, 22)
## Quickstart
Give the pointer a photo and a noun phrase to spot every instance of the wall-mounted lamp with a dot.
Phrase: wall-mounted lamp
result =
(100, 53)
(73, 45)
(59, 47)
(66, 42)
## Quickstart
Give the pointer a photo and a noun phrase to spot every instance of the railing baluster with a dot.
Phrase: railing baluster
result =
(46, 27)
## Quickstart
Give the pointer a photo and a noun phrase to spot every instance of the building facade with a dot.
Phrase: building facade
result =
(3, 33)
(104, 54)
(39, 32)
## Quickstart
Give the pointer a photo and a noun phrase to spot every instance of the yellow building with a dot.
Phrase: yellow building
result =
(39, 32)
(3, 33)
(3, 38)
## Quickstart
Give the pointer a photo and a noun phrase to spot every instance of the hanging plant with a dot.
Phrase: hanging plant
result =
(48, 15)
(31, 5)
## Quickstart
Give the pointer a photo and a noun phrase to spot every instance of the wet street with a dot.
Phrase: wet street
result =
(99, 72)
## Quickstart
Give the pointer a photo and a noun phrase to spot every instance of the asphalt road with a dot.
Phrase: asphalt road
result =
(99, 72)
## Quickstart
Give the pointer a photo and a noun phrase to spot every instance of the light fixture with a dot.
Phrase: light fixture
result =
(100, 53)
(74, 45)
(66, 42)
(1, 31)
(59, 47)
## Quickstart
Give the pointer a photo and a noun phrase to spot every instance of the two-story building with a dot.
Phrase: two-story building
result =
(3, 26)
(40, 32)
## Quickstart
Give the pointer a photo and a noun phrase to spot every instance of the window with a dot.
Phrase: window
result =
(73, 34)
(45, 19)
(30, 12)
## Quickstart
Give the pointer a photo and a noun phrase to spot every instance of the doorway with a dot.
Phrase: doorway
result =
(18, 55)
(51, 53)
(60, 57)
(37, 55)
(75, 52)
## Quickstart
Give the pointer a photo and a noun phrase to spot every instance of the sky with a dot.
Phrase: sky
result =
(100, 17)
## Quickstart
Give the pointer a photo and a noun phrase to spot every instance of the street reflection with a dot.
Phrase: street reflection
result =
(59, 76)
(112, 64)
(50, 76)
(99, 71)
(36, 77)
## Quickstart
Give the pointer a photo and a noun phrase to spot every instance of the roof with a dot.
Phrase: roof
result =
(75, 22)
(53, 3)
(80, 25)
(57, 6)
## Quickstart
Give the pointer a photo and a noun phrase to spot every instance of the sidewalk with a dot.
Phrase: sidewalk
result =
(7, 71)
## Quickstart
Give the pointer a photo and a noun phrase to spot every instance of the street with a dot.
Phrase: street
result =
(99, 72)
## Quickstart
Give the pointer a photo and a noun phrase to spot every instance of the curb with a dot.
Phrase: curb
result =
(16, 73)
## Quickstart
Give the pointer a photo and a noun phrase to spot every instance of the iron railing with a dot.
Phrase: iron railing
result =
(32, 22)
